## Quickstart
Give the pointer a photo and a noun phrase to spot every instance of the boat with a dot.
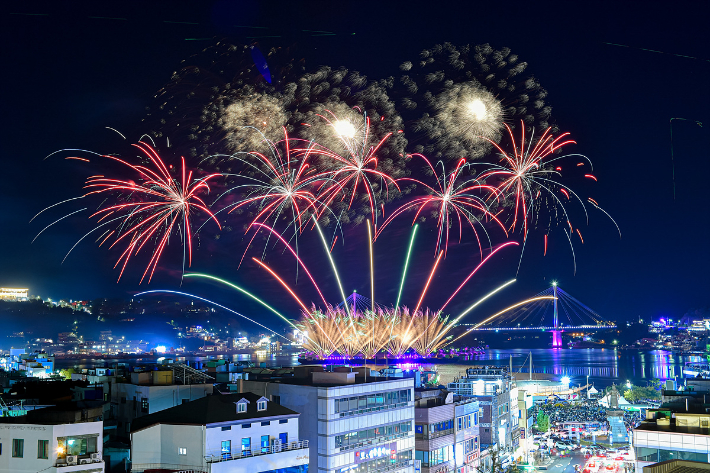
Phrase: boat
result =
(694, 369)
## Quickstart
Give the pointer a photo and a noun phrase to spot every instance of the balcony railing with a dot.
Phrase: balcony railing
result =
(296, 445)
(141, 467)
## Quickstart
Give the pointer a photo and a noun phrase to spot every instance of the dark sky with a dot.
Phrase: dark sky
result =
(72, 68)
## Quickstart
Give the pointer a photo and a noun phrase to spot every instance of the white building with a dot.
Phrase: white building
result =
(62, 448)
(683, 437)
(353, 422)
(220, 434)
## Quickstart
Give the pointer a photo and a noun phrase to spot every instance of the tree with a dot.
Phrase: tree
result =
(67, 372)
(637, 393)
(543, 422)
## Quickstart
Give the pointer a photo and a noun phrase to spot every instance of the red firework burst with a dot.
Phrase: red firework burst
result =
(151, 209)
(454, 199)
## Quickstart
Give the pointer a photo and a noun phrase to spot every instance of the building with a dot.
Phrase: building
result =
(446, 432)
(678, 430)
(220, 434)
(10, 294)
(493, 388)
(60, 439)
(526, 422)
(353, 422)
(153, 391)
(678, 466)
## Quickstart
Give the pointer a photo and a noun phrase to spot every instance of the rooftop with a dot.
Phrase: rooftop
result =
(673, 427)
(212, 410)
(677, 466)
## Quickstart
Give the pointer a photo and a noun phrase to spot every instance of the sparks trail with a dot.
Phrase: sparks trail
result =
(454, 198)
(147, 210)
(361, 327)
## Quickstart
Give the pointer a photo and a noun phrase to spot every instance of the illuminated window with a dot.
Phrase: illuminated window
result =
(182, 451)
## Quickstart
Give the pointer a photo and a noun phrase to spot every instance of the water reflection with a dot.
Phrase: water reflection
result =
(603, 366)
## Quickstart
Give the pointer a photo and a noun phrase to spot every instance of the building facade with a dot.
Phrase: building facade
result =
(497, 396)
(446, 432)
(353, 423)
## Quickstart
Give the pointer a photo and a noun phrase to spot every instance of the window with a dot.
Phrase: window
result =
(18, 448)
(182, 451)
(276, 399)
(91, 444)
(283, 421)
(144, 405)
(246, 444)
(241, 407)
(246, 426)
(265, 423)
(226, 447)
(283, 436)
(264, 443)
(123, 400)
(261, 406)
(185, 401)
(228, 427)
(43, 449)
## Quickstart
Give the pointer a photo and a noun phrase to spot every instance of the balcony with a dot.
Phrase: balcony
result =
(83, 463)
(299, 445)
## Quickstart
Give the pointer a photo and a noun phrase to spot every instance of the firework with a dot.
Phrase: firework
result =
(279, 186)
(365, 334)
(454, 200)
(147, 211)
(218, 100)
(251, 120)
(456, 99)
(355, 171)
(528, 180)
(359, 137)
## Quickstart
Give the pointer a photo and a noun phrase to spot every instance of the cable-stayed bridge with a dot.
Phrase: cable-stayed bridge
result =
(552, 310)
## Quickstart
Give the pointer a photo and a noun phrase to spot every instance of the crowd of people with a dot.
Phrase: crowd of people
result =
(588, 410)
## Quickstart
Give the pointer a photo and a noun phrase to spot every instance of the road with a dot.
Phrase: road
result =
(566, 464)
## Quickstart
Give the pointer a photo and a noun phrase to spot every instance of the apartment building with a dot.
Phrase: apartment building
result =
(354, 423)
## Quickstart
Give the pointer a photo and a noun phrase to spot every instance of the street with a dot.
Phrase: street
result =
(566, 464)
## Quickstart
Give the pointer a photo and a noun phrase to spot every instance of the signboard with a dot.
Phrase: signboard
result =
(417, 466)
(376, 452)
(522, 433)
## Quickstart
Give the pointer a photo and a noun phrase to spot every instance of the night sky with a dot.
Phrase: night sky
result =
(70, 69)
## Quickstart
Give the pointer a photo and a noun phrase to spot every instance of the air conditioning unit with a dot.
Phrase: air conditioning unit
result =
(84, 461)
(71, 459)
(95, 457)
(275, 445)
